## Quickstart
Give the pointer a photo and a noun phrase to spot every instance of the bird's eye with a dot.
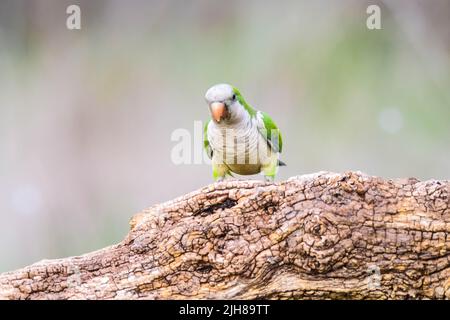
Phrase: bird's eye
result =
(234, 97)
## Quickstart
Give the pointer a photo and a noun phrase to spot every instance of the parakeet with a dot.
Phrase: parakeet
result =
(240, 139)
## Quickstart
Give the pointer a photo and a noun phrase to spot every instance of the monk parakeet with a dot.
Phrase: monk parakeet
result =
(238, 138)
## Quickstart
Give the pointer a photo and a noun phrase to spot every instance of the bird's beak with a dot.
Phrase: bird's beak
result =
(218, 111)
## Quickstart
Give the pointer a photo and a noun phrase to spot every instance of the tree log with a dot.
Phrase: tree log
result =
(319, 236)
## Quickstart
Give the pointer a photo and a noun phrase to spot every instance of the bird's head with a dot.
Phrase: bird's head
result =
(225, 103)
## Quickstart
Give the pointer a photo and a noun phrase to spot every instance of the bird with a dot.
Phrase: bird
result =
(238, 138)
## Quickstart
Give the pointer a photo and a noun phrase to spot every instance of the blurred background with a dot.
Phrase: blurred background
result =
(86, 116)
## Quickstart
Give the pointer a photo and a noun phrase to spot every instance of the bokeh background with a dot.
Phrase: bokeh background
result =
(86, 116)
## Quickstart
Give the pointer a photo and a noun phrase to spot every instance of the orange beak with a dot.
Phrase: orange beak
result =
(218, 111)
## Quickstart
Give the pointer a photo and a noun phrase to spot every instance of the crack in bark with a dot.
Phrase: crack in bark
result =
(226, 204)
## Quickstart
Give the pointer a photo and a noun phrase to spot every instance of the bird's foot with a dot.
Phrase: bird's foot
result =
(269, 178)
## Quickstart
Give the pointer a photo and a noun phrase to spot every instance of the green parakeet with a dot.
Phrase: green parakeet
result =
(238, 138)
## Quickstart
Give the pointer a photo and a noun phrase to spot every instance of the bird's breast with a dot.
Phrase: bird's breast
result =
(241, 147)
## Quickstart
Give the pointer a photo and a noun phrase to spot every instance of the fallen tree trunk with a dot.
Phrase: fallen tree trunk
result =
(317, 236)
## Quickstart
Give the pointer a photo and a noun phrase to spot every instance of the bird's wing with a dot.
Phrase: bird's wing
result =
(269, 131)
(206, 144)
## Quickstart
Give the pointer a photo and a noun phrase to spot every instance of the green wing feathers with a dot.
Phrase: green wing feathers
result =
(206, 145)
(271, 133)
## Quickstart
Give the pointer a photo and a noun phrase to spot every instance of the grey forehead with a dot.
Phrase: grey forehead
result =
(219, 92)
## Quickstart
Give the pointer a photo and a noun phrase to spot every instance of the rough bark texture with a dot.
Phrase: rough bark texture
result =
(317, 236)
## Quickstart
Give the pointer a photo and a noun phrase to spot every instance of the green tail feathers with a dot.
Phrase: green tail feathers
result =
(281, 163)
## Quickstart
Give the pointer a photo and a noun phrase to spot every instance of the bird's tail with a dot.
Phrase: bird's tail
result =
(281, 163)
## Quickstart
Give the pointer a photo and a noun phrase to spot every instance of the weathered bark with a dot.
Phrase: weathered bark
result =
(317, 236)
